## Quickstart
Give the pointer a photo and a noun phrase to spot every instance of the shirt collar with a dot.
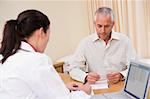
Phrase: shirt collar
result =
(114, 36)
(27, 47)
(95, 37)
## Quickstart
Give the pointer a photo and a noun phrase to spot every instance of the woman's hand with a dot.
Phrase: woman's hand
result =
(78, 86)
(86, 88)
(72, 86)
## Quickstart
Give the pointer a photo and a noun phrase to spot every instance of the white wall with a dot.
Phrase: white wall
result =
(69, 22)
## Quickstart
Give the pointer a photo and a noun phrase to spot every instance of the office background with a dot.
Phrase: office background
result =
(71, 20)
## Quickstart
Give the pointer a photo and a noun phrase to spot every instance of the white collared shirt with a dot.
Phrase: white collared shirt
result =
(101, 58)
(30, 75)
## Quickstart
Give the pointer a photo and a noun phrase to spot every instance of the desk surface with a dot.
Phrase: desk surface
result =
(58, 65)
(112, 87)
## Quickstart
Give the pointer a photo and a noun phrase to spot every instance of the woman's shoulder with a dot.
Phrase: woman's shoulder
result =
(40, 56)
(43, 57)
(32, 57)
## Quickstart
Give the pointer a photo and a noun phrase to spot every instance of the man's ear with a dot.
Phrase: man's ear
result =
(113, 23)
(94, 23)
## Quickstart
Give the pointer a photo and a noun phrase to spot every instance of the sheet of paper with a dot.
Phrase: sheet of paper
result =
(145, 61)
(101, 84)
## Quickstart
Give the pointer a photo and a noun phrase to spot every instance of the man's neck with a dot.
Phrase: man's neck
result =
(107, 38)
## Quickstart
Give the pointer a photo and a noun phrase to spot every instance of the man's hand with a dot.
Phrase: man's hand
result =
(92, 77)
(114, 77)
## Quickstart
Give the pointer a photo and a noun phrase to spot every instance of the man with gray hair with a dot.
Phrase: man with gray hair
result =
(104, 54)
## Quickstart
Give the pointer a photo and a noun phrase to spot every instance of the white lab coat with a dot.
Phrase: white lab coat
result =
(31, 75)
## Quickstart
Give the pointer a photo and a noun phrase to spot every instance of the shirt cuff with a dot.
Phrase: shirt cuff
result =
(124, 74)
(78, 75)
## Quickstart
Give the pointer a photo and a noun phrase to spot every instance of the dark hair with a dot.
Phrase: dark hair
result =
(23, 27)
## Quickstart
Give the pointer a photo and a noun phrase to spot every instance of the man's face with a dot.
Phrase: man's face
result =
(103, 25)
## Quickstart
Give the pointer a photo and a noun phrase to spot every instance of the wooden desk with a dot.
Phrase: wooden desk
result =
(58, 65)
(112, 87)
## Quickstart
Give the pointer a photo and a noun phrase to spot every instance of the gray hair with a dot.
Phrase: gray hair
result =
(105, 11)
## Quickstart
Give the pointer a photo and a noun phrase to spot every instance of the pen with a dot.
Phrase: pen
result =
(75, 86)
(85, 80)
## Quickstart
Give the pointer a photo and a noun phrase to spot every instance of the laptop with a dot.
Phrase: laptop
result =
(136, 84)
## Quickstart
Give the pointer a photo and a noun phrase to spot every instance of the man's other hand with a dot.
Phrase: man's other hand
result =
(114, 77)
(92, 77)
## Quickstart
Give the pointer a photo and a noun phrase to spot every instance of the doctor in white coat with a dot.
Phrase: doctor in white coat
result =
(27, 73)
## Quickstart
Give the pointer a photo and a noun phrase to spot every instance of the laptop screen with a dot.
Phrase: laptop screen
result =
(137, 80)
